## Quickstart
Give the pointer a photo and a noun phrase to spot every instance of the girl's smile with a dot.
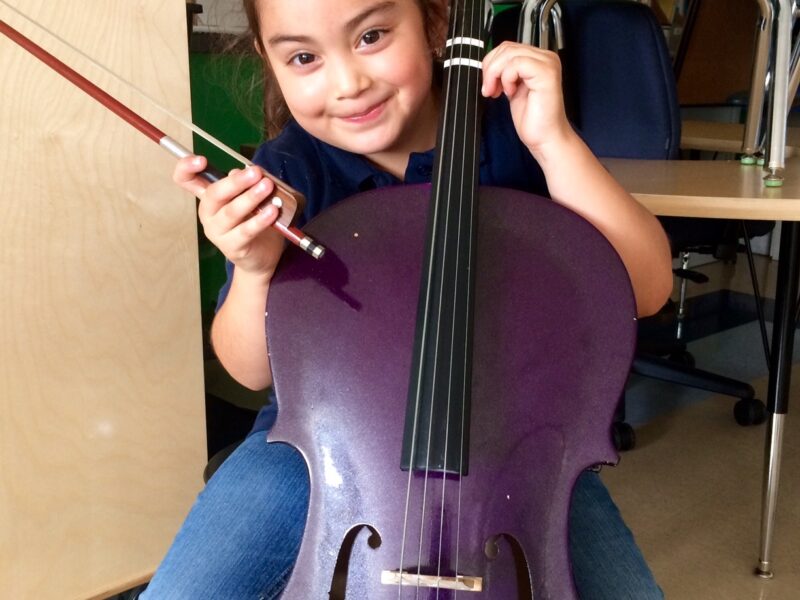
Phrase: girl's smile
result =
(356, 74)
(368, 115)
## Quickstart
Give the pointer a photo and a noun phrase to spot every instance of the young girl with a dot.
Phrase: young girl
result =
(351, 86)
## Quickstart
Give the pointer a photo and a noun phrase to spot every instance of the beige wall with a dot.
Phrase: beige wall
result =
(102, 438)
(221, 16)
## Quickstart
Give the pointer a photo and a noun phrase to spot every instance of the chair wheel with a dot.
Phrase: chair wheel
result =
(749, 412)
(623, 435)
(682, 357)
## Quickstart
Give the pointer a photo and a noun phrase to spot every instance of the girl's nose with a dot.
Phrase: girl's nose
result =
(349, 80)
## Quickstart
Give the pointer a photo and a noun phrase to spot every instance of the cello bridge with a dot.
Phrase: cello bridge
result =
(461, 583)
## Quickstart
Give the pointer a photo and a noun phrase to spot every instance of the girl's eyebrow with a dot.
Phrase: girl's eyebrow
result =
(365, 14)
(349, 26)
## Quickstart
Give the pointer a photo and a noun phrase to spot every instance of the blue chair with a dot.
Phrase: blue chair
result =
(621, 96)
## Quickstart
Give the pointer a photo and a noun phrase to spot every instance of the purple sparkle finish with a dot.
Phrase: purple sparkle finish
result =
(554, 337)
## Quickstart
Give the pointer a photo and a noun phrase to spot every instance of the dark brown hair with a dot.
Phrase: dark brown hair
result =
(276, 113)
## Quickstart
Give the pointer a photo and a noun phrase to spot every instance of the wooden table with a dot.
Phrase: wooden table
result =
(726, 137)
(727, 189)
(716, 189)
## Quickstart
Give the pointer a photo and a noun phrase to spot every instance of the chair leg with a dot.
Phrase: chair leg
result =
(682, 301)
(680, 354)
(656, 367)
(748, 410)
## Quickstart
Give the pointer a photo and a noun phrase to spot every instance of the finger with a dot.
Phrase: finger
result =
(495, 63)
(248, 230)
(220, 221)
(534, 73)
(497, 59)
(186, 171)
(512, 75)
(498, 50)
(504, 76)
(187, 167)
(489, 67)
(221, 193)
(247, 203)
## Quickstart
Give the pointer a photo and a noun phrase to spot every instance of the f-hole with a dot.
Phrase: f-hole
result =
(342, 566)
(521, 568)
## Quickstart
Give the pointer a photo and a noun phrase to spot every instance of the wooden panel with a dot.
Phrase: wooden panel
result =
(717, 52)
(102, 436)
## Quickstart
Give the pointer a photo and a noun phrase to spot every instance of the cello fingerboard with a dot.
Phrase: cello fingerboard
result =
(438, 406)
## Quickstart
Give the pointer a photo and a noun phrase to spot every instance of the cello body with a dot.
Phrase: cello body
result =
(554, 335)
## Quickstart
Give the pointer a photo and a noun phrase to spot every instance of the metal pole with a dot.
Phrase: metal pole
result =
(779, 379)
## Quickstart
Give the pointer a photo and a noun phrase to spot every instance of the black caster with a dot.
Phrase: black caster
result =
(623, 435)
(749, 412)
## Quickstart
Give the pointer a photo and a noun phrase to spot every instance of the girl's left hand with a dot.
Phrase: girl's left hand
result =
(531, 79)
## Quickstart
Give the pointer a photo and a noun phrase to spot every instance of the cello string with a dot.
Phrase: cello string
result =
(424, 328)
(463, 74)
(450, 154)
(474, 192)
(476, 21)
(458, 24)
(462, 35)
(426, 314)
(467, 171)
(140, 92)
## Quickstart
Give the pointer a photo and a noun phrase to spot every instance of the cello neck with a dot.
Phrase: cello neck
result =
(458, 139)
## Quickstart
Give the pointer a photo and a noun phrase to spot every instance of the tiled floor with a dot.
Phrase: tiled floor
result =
(691, 489)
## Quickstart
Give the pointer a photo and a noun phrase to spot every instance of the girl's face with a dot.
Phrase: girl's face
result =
(354, 73)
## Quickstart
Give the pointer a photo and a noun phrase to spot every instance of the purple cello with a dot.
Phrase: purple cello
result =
(443, 448)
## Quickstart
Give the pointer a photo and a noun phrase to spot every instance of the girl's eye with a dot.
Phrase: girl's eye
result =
(373, 36)
(303, 58)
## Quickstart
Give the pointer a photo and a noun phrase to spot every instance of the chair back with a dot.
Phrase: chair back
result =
(619, 84)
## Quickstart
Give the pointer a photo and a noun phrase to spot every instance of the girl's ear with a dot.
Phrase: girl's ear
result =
(257, 47)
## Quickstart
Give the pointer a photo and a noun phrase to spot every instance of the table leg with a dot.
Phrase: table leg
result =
(783, 329)
(783, 18)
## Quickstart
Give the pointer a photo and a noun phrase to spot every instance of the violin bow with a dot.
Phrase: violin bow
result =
(284, 197)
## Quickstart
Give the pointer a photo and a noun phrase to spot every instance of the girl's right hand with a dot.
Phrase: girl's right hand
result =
(227, 211)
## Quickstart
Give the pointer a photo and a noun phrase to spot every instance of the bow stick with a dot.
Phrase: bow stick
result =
(284, 197)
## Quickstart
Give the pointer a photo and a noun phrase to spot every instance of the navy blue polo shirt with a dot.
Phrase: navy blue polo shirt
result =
(325, 174)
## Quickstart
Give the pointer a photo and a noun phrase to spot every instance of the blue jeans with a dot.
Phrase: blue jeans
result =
(241, 537)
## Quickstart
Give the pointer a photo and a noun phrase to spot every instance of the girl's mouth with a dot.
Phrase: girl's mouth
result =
(370, 114)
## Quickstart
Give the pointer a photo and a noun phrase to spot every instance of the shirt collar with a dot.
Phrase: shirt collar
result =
(367, 176)
(359, 170)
